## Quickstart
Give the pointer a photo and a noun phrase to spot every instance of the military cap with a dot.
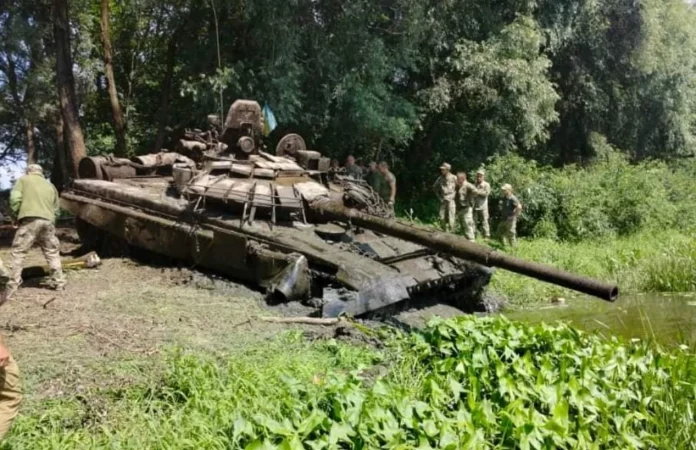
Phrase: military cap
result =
(34, 168)
(445, 166)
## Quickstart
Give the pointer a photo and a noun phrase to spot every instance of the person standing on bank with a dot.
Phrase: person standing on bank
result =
(388, 185)
(512, 208)
(35, 203)
(445, 189)
(352, 169)
(481, 202)
(465, 198)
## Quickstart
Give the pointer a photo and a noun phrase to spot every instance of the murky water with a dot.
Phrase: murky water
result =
(667, 319)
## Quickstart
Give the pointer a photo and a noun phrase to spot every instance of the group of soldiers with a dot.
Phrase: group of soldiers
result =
(465, 203)
(462, 204)
(34, 203)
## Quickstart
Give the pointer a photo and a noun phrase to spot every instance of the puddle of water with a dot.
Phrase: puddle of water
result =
(667, 319)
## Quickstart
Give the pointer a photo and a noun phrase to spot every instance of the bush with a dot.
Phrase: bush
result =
(609, 197)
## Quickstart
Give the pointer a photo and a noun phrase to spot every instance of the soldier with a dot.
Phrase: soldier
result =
(34, 201)
(10, 390)
(353, 170)
(373, 177)
(446, 188)
(507, 230)
(465, 198)
(481, 202)
(388, 184)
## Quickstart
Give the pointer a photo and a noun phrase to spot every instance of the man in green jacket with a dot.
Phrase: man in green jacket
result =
(34, 202)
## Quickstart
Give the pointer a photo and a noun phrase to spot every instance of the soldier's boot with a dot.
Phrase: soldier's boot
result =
(9, 291)
(58, 281)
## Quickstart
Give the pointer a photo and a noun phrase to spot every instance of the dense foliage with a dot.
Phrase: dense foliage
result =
(408, 81)
(460, 383)
(608, 197)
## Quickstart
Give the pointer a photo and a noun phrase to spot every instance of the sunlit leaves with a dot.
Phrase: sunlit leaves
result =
(500, 384)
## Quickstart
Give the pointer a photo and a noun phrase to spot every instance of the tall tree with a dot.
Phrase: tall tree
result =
(22, 76)
(119, 123)
(66, 85)
(166, 93)
(59, 172)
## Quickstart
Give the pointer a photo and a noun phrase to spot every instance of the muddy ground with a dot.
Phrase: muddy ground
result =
(109, 325)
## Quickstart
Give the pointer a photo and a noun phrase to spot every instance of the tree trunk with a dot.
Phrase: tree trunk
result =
(164, 100)
(119, 123)
(31, 143)
(59, 174)
(66, 85)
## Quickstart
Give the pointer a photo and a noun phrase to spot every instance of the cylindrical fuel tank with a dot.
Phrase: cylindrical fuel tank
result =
(105, 168)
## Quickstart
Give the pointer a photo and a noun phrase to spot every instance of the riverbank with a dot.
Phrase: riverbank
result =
(462, 383)
(139, 356)
(650, 261)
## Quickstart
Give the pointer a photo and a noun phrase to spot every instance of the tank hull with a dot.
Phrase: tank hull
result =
(351, 272)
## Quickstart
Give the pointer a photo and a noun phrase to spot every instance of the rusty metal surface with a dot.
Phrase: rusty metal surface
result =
(222, 251)
(460, 247)
(223, 202)
(290, 144)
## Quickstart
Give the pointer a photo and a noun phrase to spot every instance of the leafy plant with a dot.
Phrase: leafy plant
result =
(459, 383)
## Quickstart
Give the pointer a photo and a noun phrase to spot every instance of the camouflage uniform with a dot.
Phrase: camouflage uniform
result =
(42, 232)
(446, 189)
(385, 189)
(507, 230)
(375, 180)
(481, 207)
(354, 171)
(10, 394)
(35, 203)
(4, 275)
(465, 209)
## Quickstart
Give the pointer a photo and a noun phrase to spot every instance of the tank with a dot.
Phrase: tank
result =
(286, 223)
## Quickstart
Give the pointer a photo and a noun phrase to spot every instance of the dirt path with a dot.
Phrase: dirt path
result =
(122, 315)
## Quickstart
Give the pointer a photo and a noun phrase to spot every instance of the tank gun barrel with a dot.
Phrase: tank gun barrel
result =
(462, 248)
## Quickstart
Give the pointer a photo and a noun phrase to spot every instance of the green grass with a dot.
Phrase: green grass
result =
(462, 383)
(646, 262)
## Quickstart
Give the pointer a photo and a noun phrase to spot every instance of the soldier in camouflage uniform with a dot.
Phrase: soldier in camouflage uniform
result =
(34, 201)
(466, 193)
(446, 188)
(481, 202)
(507, 230)
(373, 177)
(387, 187)
(353, 170)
